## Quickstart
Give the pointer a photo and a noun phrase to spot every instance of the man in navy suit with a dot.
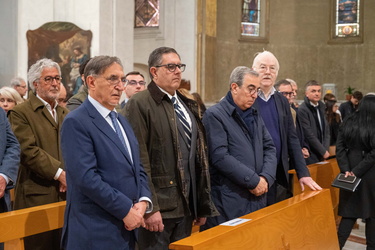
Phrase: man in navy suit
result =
(9, 161)
(107, 190)
(275, 111)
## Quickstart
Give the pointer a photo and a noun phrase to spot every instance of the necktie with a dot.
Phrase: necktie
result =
(182, 119)
(113, 116)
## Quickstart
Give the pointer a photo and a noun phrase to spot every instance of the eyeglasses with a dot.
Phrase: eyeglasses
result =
(24, 87)
(115, 80)
(264, 68)
(172, 67)
(287, 93)
(134, 82)
(252, 90)
(49, 79)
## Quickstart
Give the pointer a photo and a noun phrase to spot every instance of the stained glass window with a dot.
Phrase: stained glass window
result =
(250, 20)
(146, 13)
(347, 18)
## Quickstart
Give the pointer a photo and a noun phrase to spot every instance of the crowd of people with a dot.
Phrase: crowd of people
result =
(141, 172)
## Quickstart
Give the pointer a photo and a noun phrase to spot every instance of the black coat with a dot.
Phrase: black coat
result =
(354, 156)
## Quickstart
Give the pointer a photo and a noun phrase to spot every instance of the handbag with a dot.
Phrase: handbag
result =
(349, 183)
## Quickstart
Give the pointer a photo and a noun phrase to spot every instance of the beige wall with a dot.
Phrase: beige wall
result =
(299, 32)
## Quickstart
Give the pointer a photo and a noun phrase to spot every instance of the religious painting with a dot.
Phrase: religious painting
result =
(146, 13)
(64, 43)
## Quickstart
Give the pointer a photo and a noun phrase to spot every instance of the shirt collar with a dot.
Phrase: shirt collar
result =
(263, 96)
(103, 111)
(46, 103)
(169, 95)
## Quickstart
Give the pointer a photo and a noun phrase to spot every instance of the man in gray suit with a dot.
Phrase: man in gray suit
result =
(173, 152)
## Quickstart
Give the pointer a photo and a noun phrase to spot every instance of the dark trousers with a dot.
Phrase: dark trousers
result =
(44, 241)
(346, 226)
(174, 229)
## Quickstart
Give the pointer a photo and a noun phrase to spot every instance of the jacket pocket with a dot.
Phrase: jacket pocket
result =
(166, 191)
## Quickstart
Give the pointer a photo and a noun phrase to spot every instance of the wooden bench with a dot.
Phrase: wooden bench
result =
(16, 225)
(305, 221)
(323, 173)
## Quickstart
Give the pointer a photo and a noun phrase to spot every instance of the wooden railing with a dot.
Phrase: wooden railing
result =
(323, 173)
(16, 225)
(305, 221)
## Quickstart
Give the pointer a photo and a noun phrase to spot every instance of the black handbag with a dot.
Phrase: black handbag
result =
(349, 183)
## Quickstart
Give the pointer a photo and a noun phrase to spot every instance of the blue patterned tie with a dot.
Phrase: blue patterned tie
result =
(182, 119)
(113, 116)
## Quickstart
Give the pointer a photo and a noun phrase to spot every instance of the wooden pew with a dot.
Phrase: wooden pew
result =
(305, 221)
(323, 173)
(16, 225)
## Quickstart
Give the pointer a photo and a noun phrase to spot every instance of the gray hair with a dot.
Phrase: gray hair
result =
(238, 74)
(265, 52)
(15, 82)
(311, 83)
(37, 68)
(156, 57)
(98, 64)
(11, 93)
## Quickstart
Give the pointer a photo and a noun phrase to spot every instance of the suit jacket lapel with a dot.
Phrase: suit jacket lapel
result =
(106, 129)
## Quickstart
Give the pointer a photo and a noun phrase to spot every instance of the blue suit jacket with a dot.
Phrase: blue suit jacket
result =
(102, 183)
(9, 157)
(237, 160)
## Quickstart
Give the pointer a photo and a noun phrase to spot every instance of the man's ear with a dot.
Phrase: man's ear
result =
(234, 87)
(90, 82)
(153, 72)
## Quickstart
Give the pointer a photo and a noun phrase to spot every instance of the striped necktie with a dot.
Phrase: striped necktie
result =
(182, 119)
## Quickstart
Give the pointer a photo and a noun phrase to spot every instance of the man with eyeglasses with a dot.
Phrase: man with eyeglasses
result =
(242, 153)
(36, 124)
(20, 85)
(173, 152)
(108, 192)
(135, 82)
(275, 111)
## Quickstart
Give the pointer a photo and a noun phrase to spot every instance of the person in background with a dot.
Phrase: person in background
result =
(9, 98)
(355, 153)
(19, 84)
(108, 192)
(242, 155)
(275, 111)
(311, 114)
(77, 60)
(294, 104)
(285, 88)
(62, 99)
(332, 116)
(198, 99)
(350, 106)
(172, 143)
(135, 82)
(76, 100)
(36, 124)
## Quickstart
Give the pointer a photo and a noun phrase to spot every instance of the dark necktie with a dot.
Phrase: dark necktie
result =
(182, 119)
(113, 116)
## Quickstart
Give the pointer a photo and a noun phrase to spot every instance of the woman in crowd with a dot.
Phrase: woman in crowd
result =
(356, 157)
(9, 98)
(333, 117)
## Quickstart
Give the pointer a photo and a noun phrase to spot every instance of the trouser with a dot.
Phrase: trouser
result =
(174, 229)
(346, 226)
